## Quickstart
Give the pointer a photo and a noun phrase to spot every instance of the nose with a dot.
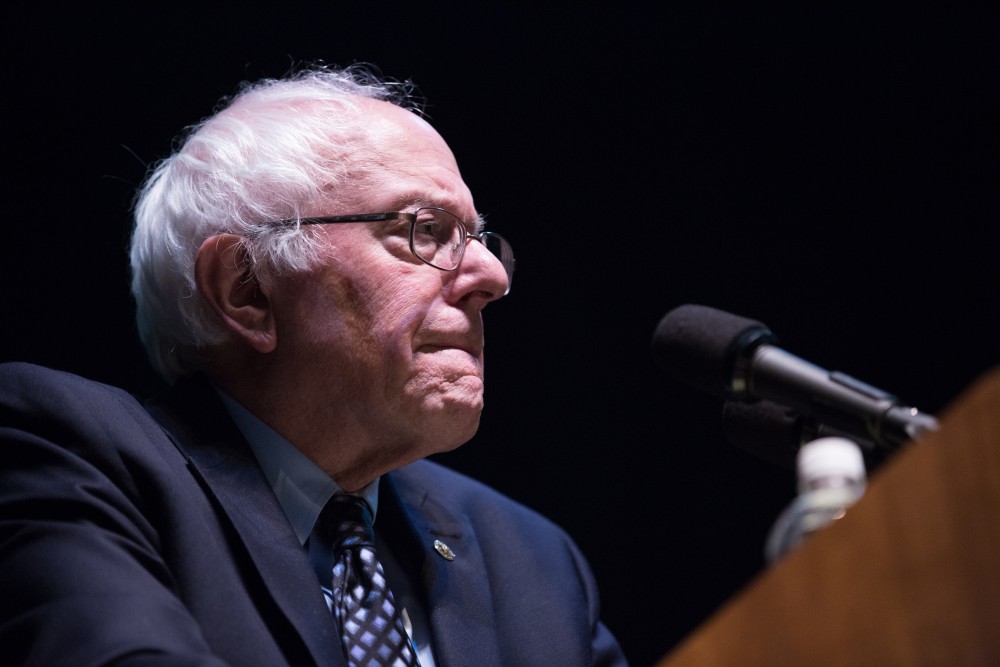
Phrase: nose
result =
(480, 276)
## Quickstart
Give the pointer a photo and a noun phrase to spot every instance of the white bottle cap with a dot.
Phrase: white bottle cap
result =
(830, 457)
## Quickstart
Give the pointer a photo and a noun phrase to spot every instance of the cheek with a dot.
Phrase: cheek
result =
(358, 307)
(380, 323)
(394, 310)
(370, 314)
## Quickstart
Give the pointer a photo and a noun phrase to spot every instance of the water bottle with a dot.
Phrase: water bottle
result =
(831, 477)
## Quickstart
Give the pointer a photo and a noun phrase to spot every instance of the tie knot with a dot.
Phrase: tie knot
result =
(349, 520)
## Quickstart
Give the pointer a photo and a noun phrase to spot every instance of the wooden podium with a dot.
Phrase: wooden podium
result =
(910, 576)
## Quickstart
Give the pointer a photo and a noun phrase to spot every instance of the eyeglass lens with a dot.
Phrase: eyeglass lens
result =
(439, 238)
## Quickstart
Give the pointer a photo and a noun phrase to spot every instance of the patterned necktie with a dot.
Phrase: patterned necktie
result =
(371, 626)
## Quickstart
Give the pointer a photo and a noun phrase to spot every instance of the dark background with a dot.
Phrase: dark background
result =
(830, 170)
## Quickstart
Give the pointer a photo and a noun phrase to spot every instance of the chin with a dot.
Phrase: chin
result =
(453, 426)
(450, 396)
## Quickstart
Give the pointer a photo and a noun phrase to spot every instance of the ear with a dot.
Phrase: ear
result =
(226, 280)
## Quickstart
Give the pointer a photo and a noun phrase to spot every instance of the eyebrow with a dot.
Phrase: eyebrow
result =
(419, 200)
(479, 224)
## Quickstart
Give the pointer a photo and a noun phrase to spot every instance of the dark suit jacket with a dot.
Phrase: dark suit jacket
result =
(149, 535)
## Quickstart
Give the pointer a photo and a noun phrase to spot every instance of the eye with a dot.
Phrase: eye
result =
(434, 229)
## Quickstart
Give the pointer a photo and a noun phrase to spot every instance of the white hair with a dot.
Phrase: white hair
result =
(265, 154)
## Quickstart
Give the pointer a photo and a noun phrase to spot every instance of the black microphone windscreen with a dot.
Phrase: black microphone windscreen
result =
(698, 345)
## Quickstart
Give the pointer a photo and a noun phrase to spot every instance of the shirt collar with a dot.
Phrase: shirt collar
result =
(302, 488)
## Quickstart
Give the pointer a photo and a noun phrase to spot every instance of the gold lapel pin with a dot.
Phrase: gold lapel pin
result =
(444, 550)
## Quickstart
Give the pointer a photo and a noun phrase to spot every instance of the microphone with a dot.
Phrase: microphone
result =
(737, 359)
(775, 433)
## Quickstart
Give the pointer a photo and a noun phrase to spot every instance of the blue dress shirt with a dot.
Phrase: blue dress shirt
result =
(303, 489)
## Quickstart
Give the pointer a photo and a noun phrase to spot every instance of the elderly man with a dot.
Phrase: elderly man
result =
(310, 272)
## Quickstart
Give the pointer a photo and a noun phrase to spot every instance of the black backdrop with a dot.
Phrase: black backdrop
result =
(831, 171)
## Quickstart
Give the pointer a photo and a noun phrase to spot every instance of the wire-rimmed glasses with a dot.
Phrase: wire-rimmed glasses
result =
(437, 237)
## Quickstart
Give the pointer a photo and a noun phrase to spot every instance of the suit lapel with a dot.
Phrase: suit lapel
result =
(458, 599)
(196, 420)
